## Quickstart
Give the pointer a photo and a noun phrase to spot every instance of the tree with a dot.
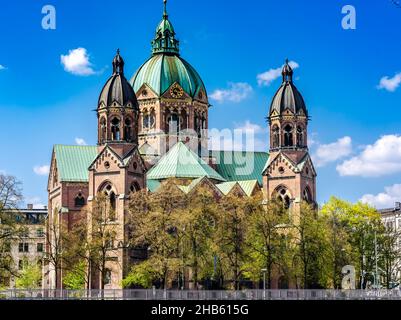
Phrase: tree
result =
(265, 238)
(353, 228)
(76, 277)
(55, 238)
(389, 254)
(98, 236)
(30, 277)
(10, 196)
(197, 226)
(155, 225)
(310, 259)
(230, 235)
(336, 213)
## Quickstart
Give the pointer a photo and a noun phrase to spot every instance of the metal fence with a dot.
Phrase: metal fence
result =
(152, 294)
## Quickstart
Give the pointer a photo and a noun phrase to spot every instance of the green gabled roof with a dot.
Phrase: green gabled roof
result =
(182, 162)
(153, 185)
(247, 186)
(240, 165)
(226, 187)
(193, 184)
(73, 162)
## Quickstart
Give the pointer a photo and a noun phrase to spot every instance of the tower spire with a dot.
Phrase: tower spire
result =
(165, 14)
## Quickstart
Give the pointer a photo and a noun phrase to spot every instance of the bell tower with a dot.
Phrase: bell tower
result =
(118, 110)
(289, 174)
(117, 172)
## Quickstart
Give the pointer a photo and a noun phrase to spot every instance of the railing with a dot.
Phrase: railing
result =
(152, 294)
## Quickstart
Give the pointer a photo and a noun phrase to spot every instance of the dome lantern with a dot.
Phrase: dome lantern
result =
(287, 72)
(165, 41)
(118, 64)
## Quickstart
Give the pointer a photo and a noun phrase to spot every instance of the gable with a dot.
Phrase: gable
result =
(181, 162)
(146, 92)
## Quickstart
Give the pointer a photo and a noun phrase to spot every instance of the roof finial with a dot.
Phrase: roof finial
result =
(165, 15)
(287, 71)
(118, 51)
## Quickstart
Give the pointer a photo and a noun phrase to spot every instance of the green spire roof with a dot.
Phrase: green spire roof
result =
(165, 41)
(182, 162)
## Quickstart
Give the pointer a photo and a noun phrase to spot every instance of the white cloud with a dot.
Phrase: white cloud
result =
(390, 84)
(385, 199)
(380, 159)
(36, 202)
(247, 126)
(236, 92)
(77, 62)
(80, 142)
(266, 78)
(326, 153)
(42, 170)
(2, 67)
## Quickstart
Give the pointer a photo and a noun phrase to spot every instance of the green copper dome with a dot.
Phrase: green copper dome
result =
(161, 71)
(166, 67)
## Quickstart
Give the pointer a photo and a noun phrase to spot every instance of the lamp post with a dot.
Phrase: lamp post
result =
(264, 270)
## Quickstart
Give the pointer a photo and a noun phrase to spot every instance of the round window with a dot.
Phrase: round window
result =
(281, 170)
(107, 165)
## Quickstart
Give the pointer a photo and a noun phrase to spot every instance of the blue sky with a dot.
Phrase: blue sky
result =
(355, 125)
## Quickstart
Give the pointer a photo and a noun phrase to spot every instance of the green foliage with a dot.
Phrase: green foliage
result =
(142, 275)
(75, 279)
(30, 277)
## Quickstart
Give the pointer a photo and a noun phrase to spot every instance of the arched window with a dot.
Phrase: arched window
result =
(115, 130)
(173, 124)
(128, 130)
(103, 128)
(79, 200)
(300, 137)
(307, 196)
(112, 199)
(288, 136)
(135, 187)
(275, 137)
(284, 196)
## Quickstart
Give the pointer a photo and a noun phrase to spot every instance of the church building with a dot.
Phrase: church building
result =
(153, 128)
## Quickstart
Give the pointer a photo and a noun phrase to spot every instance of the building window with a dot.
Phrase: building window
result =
(135, 187)
(300, 136)
(284, 196)
(115, 129)
(307, 197)
(103, 128)
(79, 200)
(288, 136)
(275, 137)
(173, 124)
(39, 247)
(23, 247)
(107, 276)
(40, 233)
(108, 191)
(128, 130)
